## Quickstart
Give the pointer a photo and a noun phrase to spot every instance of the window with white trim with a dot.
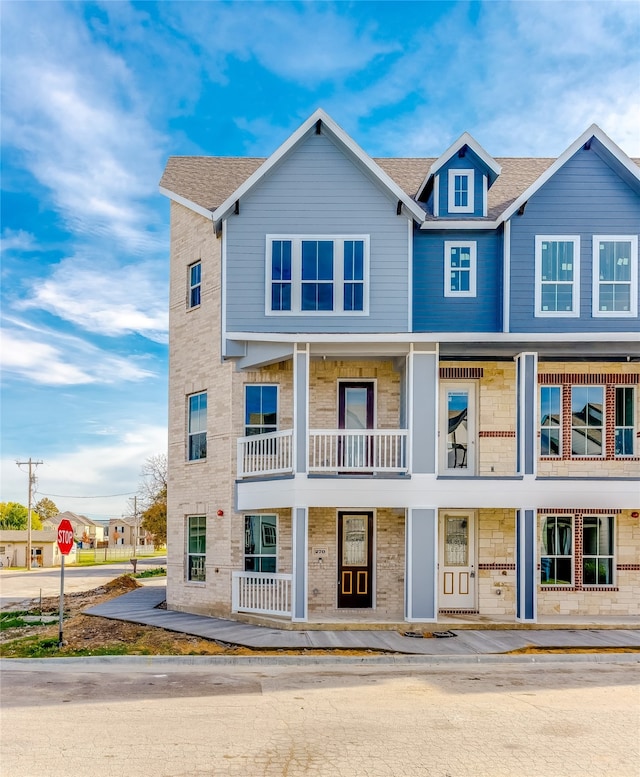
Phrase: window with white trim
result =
(624, 420)
(261, 543)
(460, 191)
(550, 421)
(598, 542)
(587, 420)
(260, 409)
(459, 269)
(196, 548)
(556, 556)
(317, 274)
(197, 427)
(615, 275)
(557, 271)
(195, 284)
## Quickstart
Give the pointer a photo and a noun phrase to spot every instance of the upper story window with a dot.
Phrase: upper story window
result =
(197, 427)
(319, 275)
(195, 284)
(550, 421)
(460, 189)
(459, 269)
(557, 270)
(587, 420)
(624, 424)
(615, 275)
(260, 409)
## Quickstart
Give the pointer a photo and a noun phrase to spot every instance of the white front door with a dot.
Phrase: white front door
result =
(457, 560)
(458, 428)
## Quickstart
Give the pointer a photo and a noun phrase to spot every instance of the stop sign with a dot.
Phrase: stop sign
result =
(65, 536)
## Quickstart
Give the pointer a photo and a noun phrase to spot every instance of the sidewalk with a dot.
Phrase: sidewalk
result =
(140, 606)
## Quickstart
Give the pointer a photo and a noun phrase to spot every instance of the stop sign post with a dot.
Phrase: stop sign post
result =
(65, 543)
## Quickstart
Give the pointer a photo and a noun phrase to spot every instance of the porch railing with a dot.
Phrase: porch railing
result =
(265, 454)
(358, 450)
(263, 593)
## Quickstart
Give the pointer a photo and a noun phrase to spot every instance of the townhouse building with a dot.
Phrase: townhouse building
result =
(404, 390)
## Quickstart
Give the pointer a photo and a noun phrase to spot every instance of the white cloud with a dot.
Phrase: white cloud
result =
(89, 471)
(101, 298)
(17, 240)
(51, 358)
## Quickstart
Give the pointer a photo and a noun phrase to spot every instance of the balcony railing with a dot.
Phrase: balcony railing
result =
(265, 454)
(358, 450)
(263, 593)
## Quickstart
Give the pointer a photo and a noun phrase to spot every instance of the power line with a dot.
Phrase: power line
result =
(74, 496)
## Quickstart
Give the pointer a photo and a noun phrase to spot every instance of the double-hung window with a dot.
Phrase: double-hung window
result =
(587, 420)
(624, 420)
(317, 275)
(550, 421)
(196, 547)
(598, 544)
(615, 275)
(197, 427)
(261, 543)
(460, 191)
(459, 269)
(556, 559)
(260, 409)
(557, 271)
(195, 284)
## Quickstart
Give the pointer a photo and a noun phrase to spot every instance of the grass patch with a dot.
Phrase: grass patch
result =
(157, 572)
(17, 619)
(47, 647)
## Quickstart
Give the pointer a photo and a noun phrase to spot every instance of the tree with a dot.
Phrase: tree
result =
(13, 515)
(46, 509)
(153, 498)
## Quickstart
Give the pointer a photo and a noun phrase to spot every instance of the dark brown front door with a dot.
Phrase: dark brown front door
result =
(355, 559)
(355, 412)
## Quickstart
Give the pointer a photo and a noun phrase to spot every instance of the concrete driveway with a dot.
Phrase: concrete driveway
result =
(19, 587)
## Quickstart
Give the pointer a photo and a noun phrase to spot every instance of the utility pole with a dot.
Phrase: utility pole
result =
(32, 480)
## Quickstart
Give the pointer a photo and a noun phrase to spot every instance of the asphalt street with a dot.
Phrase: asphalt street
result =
(190, 717)
(20, 586)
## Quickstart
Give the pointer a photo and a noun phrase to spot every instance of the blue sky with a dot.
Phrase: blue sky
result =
(96, 96)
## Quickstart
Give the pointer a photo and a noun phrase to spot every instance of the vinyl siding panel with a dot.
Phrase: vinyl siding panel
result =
(584, 198)
(317, 190)
(432, 311)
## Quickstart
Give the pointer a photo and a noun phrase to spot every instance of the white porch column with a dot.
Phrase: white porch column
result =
(300, 407)
(299, 526)
(526, 566)
(421, 565)
(526, 413)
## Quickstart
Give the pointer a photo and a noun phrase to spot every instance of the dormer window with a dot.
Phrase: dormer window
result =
(460, 190)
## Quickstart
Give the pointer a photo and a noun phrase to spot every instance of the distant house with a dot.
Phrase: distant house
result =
(85, 530)
(404, 389)
(122, 531)
(44, 548)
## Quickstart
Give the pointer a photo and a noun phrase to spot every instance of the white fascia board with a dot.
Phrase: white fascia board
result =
(443, 224)
(341, 136)
(593, 132)
(464, 140)
(187, 203)
(438, 337)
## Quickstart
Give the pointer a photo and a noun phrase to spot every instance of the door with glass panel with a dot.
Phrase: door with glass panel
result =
(355, 559)
(355, 412)
(457, 561)
(458, 428)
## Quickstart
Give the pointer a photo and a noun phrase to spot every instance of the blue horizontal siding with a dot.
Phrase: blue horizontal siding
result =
(469, 161)
(432, 311)
(585, 198)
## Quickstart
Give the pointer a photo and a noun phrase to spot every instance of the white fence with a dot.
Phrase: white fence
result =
(265, 454)
(358, 450)
(114, 553)
(264, 593)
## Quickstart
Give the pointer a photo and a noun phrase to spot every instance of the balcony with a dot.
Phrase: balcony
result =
(331, 451)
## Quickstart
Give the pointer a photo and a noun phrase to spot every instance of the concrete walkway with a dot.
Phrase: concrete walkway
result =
(140, 606)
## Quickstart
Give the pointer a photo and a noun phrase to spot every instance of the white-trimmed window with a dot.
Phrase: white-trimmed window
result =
(459, 269)
(195, 284)
(624, 420)
(317, 274)
(587, 421)
(460, 191)
(550, 421)
(196, 547)
(615, 275)
(598, 554)
(197, 426)
(260, 408)
(261, 543)
(556, 554)
(557, 271)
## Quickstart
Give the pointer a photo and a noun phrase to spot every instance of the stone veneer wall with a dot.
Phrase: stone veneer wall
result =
(496, 563)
